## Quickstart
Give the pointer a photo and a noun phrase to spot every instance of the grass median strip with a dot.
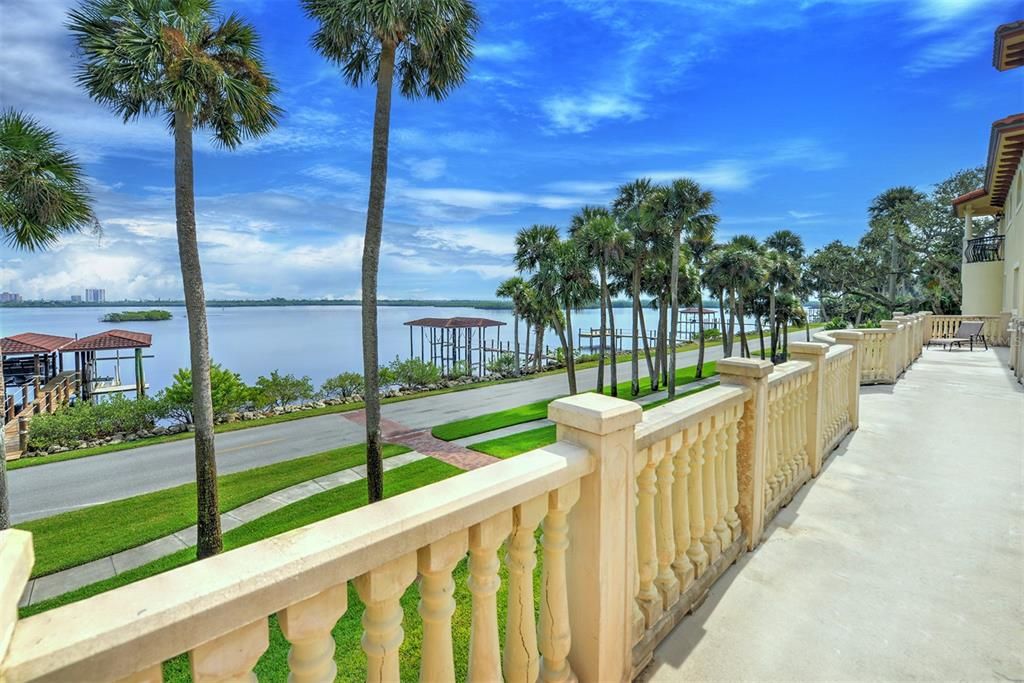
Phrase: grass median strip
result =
(320, 506)
(79, 536)
(514, 444)
(539, 409)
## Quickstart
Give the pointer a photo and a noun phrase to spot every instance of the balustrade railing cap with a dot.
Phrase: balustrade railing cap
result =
(16, 559)
(744, 367)
(808, 348)
(595, 413)
(847, 335)
(891, 324)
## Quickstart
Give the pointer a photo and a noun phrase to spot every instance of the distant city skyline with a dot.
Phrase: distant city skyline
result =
(795, 114)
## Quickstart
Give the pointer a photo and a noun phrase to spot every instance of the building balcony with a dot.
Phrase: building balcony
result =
(790, 524)
(984, 249)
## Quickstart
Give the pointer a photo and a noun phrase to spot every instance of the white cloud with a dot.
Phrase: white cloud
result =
(718, 175)
(949, 51)
(512, 51)
(426, 169)
(804, 215)
(476, 240)
(335, 174)
(578, 114)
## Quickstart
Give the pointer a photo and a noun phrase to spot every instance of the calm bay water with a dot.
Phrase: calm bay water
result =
(319, 341)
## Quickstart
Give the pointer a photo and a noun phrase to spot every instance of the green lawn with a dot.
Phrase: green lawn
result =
(539, 410)
(320, 506)
(514, 444)
(79, 536)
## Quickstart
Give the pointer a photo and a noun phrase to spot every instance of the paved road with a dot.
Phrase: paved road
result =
(50, 489)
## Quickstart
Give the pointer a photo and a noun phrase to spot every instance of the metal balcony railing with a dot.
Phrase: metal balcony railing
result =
(983, 249)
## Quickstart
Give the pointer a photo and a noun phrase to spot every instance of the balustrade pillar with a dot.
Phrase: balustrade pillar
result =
(231, 657)
(16, 560)
(437, 605)
(892, 356)
(600, 567)
(307, 625)
(818, 405)
(696, 552)
(854, 339)
(681, 565)
(667, 582)
(648, 598)
(555, 631)
(521, 659)
(751, 449)
(484, 649)
(712, 543)
(721, 484)
(733, 492)
(381, 590)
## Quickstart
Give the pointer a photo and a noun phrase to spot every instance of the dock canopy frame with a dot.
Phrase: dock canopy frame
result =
(451, 341)
(85, 350)
(32, 355)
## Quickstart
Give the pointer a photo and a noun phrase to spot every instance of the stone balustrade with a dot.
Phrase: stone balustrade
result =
(639, 514)
(996, 328)
(1016, 334)
(885, 352)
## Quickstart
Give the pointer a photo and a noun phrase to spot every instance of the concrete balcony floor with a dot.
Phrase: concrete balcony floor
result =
(903, 560)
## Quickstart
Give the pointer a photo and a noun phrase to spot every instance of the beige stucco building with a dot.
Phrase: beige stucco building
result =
(992, 277)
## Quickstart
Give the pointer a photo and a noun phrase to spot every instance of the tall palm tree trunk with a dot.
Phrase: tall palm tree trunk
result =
(208, 540)
(615, 356)
(560, 331)
(570, 352)
(525, 363)
(675, 315)
(771, 316)
(647, 350)
(371, 261)
(721, 318)
(635, 360)
(663, 341)
(700, 335)
(744, 348)
(539, 351)
(604, 323)
(760, 335)
(515, 332)
(5, 503)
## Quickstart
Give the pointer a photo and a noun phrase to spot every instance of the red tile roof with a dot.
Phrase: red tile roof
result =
(454, 323)
(111, 339)
(1005, 150)
(32, 342)
(1008, 51)
(973, 194)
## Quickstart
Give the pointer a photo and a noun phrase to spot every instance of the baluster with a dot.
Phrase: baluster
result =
(710, 539)
(666, 581)
(521, 659)
(484, 649)
(307, 625)
(437, 604)
(805, 456)
(786, 468)
(733, 493)
(682, 565)
(721, 483)
(555, 634)
(231, 657)
(695, 488)
(639, 622)
(381, 591)
(646, 540)
(775, 414)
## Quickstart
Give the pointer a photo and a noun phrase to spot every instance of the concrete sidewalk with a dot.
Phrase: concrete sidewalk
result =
(58, 583)
(903, 560)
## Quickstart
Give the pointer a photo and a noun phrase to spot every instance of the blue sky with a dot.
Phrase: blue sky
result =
(795, 113)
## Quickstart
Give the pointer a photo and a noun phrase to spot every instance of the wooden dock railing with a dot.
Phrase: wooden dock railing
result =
(45, 399)
(640, 514)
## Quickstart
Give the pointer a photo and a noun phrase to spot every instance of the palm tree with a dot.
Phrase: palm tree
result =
(629, 209)
(892, 211)
(715, 279)
(429, 43)
(782, 275)
(514, 288)
(43, 196)
(683, 202)
(700, 239)
(532, 245)
(602, 238)
(201, 71)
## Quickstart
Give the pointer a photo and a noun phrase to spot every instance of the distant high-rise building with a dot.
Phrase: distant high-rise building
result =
(95, 296)
(9, 297)
(76, 298)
